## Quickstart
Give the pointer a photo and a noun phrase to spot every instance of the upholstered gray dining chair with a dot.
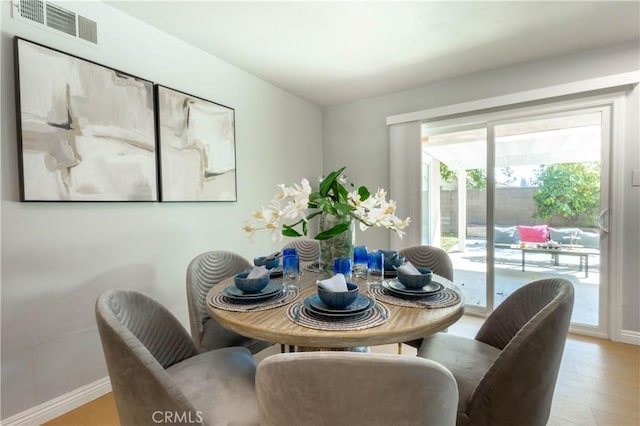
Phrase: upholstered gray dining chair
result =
(355, 389)
(507, 374)
(308, 249)
(205, 271)
(430, 257)
(155, 368)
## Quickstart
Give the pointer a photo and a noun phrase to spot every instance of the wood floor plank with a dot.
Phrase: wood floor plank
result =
(607, 418)
(566, 411)
(100, 412)
(68, 419)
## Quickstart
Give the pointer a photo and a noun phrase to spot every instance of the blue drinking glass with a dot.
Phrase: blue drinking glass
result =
(342, 265)
(375, 271)
(289, 251)
(291, 270)
(360, 261)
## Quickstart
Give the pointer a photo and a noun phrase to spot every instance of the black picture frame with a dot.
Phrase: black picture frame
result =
(197, 148)
(86, 132)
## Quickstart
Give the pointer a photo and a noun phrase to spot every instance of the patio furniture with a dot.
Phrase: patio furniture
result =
(203, 273)
(507, 374)
(557, 252)
(346, 388)
(430, 257)
(308, 249)
(156, 371)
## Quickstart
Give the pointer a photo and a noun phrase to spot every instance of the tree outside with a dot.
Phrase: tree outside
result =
(477, 178)
(568, 190)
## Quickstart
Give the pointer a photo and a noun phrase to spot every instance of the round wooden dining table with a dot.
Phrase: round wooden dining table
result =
(274, 325)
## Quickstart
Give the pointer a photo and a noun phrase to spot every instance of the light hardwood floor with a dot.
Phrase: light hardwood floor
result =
(598, 384)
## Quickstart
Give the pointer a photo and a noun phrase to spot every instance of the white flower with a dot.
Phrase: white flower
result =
(291, 203)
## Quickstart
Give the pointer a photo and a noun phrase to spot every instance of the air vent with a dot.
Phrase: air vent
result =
(61, 19)
(32, 10)
(87, 29)
(58, 18)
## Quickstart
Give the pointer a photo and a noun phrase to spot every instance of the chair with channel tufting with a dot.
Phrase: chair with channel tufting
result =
(205, 271)
(156, 370)
(430, 257)
(308, 249)
(506, 375)
(355, 389)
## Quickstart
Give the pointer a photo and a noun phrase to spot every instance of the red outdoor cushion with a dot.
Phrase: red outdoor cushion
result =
(534, 234)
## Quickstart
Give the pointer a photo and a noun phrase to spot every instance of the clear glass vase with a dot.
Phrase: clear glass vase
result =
(339, 246)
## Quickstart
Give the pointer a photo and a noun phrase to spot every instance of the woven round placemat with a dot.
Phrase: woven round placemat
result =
(446, 298)
(220, 301)
(299, 314)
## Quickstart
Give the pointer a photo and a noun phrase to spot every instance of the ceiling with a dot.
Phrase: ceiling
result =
(336, 52)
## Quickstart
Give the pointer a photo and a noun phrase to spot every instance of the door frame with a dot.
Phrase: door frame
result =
(610, 311)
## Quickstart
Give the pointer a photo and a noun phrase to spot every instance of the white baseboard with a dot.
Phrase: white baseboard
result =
(58, 406)
(631, 337)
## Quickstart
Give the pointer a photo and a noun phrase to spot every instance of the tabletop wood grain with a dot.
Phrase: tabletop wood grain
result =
(273, 325)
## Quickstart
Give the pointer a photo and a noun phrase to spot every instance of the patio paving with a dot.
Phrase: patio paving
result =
(470, 275)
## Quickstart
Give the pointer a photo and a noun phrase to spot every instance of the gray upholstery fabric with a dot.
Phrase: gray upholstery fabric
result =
(205, 271)
(141, 340)
(223, 389)
(430, 257)
(529, 331)
(589, 239)
(506, 235)
(467, 358)
(307, 248)
(353, 389)
(562, 235)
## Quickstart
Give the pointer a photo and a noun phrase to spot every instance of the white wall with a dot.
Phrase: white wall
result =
(356, 135)
(58, 257)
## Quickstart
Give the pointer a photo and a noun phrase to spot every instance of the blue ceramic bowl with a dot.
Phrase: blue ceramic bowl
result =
(250, 285)
(268, 263)
(339, 299)
(415, 282)
(392, 259)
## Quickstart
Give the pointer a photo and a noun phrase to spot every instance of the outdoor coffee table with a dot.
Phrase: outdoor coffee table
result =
(557, 252)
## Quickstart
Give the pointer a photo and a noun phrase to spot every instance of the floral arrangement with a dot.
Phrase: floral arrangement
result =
(289, 212)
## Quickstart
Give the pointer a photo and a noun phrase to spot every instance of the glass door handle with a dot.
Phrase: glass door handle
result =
(603, 221)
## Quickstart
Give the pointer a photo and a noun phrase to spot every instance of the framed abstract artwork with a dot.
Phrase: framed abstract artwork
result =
(196, 141)
(86, 132)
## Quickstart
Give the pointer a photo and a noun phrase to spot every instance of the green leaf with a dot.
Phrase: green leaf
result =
(342, 209)
(364, 193)
(327, 183)
(315, 197)
(288, 231)
(336, 230)
(324, 204)
(342, 193)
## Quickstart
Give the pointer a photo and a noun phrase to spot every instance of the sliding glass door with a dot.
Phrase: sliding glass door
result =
(458, 180)
(520, 198)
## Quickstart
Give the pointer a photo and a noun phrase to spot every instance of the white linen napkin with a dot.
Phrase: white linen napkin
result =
(258, 272)
(409, 269)
(335, 283)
